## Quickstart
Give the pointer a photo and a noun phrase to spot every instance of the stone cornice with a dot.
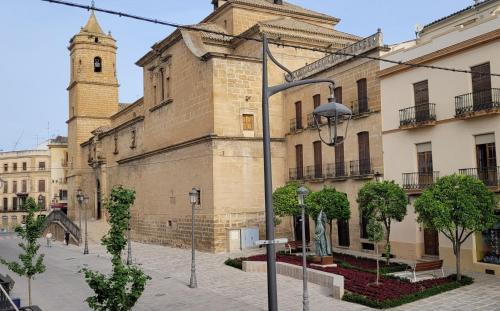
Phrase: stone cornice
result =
(86, 117)
(445, 52)
(72, 84)
(116, 129)
(138, 102)
(192, 142)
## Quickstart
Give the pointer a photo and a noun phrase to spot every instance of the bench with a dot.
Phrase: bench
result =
(295, 245)
(427, 266)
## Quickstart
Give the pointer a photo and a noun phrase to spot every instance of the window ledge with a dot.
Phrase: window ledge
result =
(162, 104)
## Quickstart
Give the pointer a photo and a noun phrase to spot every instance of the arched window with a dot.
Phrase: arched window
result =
(97, 64)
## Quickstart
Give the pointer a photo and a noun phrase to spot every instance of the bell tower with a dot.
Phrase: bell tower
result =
(93, 95)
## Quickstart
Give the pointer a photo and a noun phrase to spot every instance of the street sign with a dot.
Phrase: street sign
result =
(275, 241)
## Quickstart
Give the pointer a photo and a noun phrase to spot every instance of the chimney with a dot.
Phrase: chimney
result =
(278, 2)
(218, 3)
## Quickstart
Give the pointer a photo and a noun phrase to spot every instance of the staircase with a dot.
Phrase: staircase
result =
(58, 218)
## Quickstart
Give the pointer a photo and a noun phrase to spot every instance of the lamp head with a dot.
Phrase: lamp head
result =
(335, 113)
(193, 196)
(302, 192)
(79, 196)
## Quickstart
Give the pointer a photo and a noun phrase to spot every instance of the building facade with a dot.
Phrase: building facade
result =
(438, 123)
(197, 125)
(359, 158)
(23, 174)
(58, 148)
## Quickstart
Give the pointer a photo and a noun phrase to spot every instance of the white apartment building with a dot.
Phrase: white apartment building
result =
(437, 123)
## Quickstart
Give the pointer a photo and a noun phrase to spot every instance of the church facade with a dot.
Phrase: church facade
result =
(199, 123)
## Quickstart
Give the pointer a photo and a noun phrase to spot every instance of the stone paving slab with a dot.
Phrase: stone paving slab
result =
(220, 287)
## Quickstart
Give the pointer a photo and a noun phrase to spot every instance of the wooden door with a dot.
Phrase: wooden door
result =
(316, 101)
(362, 96)
(297, 221)
(421, 93)
(337, 92)
(364, 153)
(343, 232)
(298, 115)
(299, 161)
(339, 159)
(318, 160)
(487, 163)
(481, 87)
(431, 242)
(425, 168)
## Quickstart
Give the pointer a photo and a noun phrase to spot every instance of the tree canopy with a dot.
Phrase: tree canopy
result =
(285, 202)
(457, 206)
(383, 201)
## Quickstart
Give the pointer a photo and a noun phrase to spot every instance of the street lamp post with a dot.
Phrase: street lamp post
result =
(332, 111)
(80, 197)
(193, 198)
(302, 193)
(86, 248)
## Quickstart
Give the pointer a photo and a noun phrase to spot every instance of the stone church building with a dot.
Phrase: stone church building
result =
(198, 124)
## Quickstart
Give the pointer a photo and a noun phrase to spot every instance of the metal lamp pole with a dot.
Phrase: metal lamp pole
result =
(193, 197)
(79, 199)
(302, 193)
(331, 111)
(86, 248)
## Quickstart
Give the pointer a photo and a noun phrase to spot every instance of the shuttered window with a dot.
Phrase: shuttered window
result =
(248, 122)
(41, 186)
(316, 100)
(298, 115)
(338, 94)
(362, 96)
(299, 161)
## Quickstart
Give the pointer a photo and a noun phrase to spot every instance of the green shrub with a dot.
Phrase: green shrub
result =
(235, 262)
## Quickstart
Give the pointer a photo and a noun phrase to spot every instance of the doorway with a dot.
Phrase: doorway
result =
(431, 242)
(297, 227)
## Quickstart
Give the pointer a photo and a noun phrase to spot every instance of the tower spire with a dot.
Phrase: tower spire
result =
(92, 24)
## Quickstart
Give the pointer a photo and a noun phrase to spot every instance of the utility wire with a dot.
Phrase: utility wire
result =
(322, 50)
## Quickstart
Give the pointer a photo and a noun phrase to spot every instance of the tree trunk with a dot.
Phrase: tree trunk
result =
(29, 291)
(331, 233)
(459, 274)
(388, 245)
(378, 267)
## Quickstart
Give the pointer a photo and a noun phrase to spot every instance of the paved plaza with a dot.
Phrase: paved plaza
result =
(221, 287)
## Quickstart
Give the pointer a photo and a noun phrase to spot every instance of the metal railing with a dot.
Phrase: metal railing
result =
(419, 180)
(477, 101)
(296, 173)
(417, 114)
(314, 172)
(295, 125)
(57, 216)
(337, 170)
(361, 167)
(360, 106)
(490, 176)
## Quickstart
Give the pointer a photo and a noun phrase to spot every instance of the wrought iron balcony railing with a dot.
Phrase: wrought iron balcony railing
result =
(477, 101)
(490, 176)
(337, 170)
(360, 106)
(419, 180)
(416, 115)
(314, 172)
(311, 122)
(295, 125)
(362, 167)
(296, 173)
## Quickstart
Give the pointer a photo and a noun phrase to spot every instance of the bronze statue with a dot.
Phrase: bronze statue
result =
(322, 248)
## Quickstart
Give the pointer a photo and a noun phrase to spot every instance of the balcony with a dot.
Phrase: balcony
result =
(360, 107)
(361, 168)
(295, 125)
(337, 170)
(477, 104)
(490, 176)
(419, 181)
(296, 174)
(417, 116)
(314, 172)
(311, 122)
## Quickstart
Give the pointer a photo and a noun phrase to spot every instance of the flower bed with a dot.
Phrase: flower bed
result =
(390, 292)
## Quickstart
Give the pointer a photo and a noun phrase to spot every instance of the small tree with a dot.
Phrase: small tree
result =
(31, 263)
(120, 290)
(285, 201)
(457, 206)
(385, 201)
(333, 203)
(375, 235)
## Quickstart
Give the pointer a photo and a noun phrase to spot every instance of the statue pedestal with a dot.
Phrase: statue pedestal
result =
(323, 261)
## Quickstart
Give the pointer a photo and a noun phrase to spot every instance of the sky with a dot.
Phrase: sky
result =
(34, 59)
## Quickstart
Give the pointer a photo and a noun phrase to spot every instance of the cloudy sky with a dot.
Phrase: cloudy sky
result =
(34, 61)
